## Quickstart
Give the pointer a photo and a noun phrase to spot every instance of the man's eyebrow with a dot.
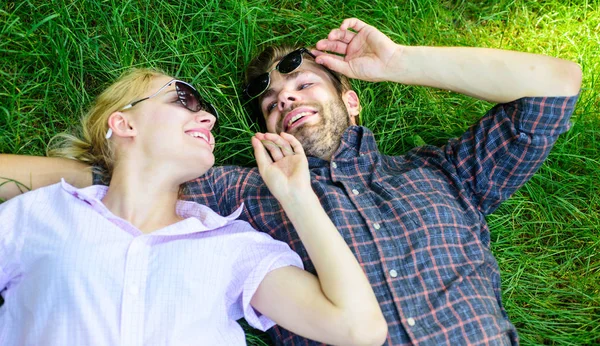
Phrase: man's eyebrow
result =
(286, 76)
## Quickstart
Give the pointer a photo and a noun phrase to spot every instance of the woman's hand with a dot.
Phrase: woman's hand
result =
(337, 307)
(282, 164)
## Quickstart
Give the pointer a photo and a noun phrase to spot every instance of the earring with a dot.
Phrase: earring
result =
(108, 133)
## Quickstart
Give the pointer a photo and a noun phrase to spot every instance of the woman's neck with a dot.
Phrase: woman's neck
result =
(145, 198)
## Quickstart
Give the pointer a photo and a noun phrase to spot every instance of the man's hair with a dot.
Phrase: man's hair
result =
(262, 64)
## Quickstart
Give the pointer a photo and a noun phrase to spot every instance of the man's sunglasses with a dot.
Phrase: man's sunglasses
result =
(287, 64)
(187, 95)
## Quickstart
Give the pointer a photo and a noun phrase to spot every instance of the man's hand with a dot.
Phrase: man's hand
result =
(283, 165)
(367, 54)
(489, 74)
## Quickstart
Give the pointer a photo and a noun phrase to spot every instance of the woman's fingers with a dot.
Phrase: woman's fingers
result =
(294, 142)
(277, 146)
(260, 153)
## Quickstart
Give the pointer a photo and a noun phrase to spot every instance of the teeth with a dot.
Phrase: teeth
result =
(198, 135)
(297, 116)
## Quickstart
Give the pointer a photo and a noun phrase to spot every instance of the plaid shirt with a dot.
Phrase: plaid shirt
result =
(415, 222)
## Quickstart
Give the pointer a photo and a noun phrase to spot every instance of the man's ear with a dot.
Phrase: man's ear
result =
(121, 125)
(352, 103)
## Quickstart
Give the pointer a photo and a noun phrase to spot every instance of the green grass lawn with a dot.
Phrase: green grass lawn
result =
(56, 55)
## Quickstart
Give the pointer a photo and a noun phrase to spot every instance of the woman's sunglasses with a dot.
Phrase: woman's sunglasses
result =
(187, 95)
(287, 64)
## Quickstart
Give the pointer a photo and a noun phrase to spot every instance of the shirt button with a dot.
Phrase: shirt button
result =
(334, 165)
(134, 290)
(393, 273)
(411, 321)
(355, 191)
(135, 248)
(376, 225)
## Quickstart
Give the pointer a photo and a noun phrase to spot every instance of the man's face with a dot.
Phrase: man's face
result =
(305, 104)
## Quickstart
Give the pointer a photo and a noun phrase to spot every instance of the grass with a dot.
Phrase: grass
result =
(56, 55)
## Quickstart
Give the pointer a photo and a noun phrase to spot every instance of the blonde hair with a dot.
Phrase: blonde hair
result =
(89, 145)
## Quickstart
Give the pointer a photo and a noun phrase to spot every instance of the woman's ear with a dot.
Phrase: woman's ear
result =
(352, 103)
(120, 125)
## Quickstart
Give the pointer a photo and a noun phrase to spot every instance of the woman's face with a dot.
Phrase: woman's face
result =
(169, 133)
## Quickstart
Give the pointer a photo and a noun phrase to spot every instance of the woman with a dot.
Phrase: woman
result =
(132, 265)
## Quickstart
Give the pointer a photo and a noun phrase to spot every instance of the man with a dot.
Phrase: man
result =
(415, 222)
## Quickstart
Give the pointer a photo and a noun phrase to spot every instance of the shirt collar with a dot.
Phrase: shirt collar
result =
(202, 217)
(356, 141)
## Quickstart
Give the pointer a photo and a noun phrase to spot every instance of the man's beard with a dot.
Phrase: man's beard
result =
(323, 138)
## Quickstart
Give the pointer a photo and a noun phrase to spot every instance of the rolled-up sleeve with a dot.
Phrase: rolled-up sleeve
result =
(501, 152)
(13, 225)
(259, 255)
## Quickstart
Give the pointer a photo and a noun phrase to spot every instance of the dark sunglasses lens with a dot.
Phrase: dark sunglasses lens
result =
(290, 62)
(188, 96)
(258, 85)
(191, 99)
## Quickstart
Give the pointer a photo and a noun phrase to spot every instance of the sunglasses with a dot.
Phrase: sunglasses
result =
(287, 64)
(187, 95)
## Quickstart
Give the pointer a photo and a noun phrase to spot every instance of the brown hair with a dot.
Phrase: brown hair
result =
(262, 64)
(90, 145)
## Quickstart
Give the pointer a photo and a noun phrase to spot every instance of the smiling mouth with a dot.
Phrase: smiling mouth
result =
(296, 118)
(198, 135)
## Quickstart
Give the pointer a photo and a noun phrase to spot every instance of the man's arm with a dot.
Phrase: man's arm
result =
(19, 173)
(494, 75)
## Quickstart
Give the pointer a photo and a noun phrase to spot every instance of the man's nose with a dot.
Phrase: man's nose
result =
(286, 99)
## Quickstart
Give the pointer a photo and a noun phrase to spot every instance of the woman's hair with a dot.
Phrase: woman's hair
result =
(89, 145)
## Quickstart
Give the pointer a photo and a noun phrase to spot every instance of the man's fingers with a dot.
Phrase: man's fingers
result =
(341, 35)
(332, 46)
(318, 53)
(335, 64)
(353, 23)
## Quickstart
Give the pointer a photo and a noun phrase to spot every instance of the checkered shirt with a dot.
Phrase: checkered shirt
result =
(415, 222)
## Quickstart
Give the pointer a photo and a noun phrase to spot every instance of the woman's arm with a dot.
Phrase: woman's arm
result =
(338, 307)
(19, 173)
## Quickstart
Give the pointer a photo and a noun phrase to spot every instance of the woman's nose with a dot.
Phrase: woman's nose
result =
(205, 118)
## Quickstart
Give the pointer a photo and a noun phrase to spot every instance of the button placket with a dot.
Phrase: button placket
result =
(134, 281)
